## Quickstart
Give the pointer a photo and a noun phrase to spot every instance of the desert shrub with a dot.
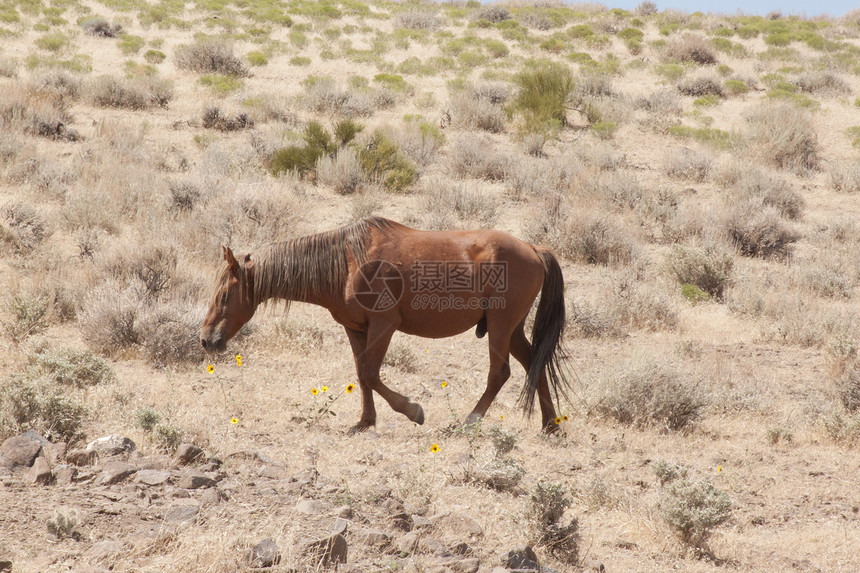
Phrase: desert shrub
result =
(213, 118)
(22, 227)
(130, 44)
(153, 265)
(64, 525)
(688, 164)
(400, 356)
(701, 86)
(693, 509)
(99, 26)
(73, 367)
(109, 317)
(844, 176)
(735, 87)
(587, 237)
(210, 56)
(147, 419)
(341, 171)
(544, 94)
(646, 9)
(498, 473)
(167, 438)
(758, 231)
(419, 140)
(325, 95)
(474, 155)
(184, 195)
(169, 331)
(52, 42)
(59, 85)
(29, 403)
(823, 81)
(256, 58)
(383, 161)
(546, 506)
(493, 14)
(154, 56)
(604, 129)
(663, 109)
(445, 200)
(27, 315)
(137, 93)
(691, 48)
(645, 392)
(470, 111)
(35, 112)
(772, 191)
(709, 269)
(782, 135)
(715, 137)
(318, 142)
(417, 20)
(843, 428)
(587, 320)
(8, 67)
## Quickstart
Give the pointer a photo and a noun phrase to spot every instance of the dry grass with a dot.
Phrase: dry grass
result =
(782, 135)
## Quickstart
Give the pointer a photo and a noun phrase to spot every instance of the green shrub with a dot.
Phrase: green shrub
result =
(73, 367)
(672, 72)
(735, 87)
(604, 129)
(546, 506)
(709, 100)
(29, 403)
(544, 94)
(716, 137)
(300, 61)
(154, 56)
(257, 58)
(54, 42)
(27, 316)
(317, 143)
(147, 419)
(221, 84)
(130, 44)
(694, 509)
(168, 438)
(393, 82)
(382, 161)
(709, 270)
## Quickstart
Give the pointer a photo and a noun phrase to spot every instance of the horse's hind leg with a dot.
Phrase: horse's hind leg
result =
(521, 349)
(368, 349)
(500, 371)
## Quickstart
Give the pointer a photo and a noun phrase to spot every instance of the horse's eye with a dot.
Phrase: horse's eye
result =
(223, 298)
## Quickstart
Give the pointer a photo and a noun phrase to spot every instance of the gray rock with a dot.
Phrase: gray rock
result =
(468, 565)
(420, 522)
(522, 557)
(460, 525)
(65, 475)
(19, 451)
(339, 526)
(407, 544)
(40, 473)
(188, 454)
(112, 445)
(195, 480)
(344, 511)
(115, 472)
(152, 477)
(310, 507)
(431, 545)
(372, 537)
(210, 497)
(264, 554)
(180, 513)
(82, 457)
(329, 551)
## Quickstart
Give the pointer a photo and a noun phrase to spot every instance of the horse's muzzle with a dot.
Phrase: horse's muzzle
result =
(213, 346)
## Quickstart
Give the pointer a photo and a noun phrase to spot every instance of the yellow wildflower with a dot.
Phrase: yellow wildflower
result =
(314, 391)
(350, 388)
(445, 384)
(557, 421)
(434, 448)
(210, 369)
(234, 420)
(564, 418)
(325, 388)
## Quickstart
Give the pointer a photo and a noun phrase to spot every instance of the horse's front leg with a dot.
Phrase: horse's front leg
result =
(369, 351)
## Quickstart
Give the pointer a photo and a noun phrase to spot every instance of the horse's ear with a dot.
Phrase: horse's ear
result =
(231, 260)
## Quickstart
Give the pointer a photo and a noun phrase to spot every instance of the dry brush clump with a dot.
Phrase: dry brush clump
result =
(39, 112)
(137, 93)
(416, 19)
(544, 521)
(686, 163)
(691, 47)
(210, 56)
(709, 269)
(471, 111)
(844, 176)
(758, 230)
(474, 155)
(645, 392)
(447, 202)
(782, 135)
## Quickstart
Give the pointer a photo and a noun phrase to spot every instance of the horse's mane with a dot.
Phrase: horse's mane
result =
(291, 270)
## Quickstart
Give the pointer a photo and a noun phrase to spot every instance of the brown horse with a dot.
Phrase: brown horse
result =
(376, 276)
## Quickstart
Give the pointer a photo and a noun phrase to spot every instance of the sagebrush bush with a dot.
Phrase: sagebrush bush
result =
(688, 164)
(26, 316)
(544, 94)
(822, 82)
(587, 320)
(493, 14)
(546, 506)
(691, 47)
(771, 190)
(325, 95)
(73, 367)
(710, 269)
(446, 200)
(693, 509)
(844, 176)
(644, 392)
(99, 26)
(214, 118)
(702, 86)
(109, 316)
(35, 112)
(416, 19)
(318, 142)
(470, 111)
(473, 155)
(757, 230)
(141, 92)
(22, 227)
(783, 136)
(210, 56)
(342, 171)
(847, 386)
(154, 266)
(30, 403)
(419, 140)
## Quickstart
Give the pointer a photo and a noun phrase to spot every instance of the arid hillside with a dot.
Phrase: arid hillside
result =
(698, 176)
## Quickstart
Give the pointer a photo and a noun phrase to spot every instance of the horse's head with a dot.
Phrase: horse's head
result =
(232, 302)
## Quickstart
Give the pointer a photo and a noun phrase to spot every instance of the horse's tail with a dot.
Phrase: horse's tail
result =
(547, 348)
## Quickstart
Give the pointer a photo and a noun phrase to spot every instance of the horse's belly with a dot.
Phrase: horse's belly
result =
(440, 323)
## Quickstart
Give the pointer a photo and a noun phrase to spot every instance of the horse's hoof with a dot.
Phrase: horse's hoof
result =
(473, 419)
(360, 427)
(418, 415)
(550, 427)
